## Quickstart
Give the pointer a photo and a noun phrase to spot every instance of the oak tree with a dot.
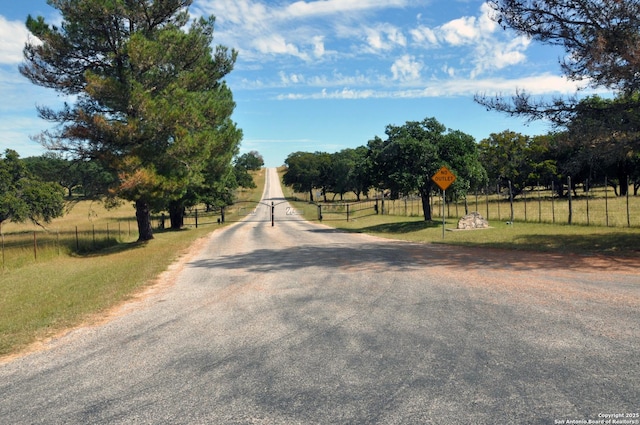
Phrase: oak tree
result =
(412, 153)
(24, 197)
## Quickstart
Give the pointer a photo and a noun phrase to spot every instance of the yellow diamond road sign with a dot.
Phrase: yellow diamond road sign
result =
(443, 178)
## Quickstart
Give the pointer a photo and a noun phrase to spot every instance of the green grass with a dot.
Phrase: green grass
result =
(43, 298)
(599, 208)
(544, 237)
(407, 223)
(63, 289)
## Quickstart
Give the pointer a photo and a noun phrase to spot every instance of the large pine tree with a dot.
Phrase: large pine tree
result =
(149, 99)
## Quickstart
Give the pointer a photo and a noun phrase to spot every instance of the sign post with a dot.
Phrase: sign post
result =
(443, 178)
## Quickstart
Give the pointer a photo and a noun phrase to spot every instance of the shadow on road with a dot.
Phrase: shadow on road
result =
(393, 255)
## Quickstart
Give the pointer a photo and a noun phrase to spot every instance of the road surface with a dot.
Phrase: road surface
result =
(297, 323)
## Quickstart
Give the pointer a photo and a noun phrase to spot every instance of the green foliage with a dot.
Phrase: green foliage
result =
(461, 155)
(412, 153)
(303, 172)
(151, 104)
(602, 140)
(406, 160)
(23, 197)
(86, 177)
(402, 164)
(506, 157)
(250, 161)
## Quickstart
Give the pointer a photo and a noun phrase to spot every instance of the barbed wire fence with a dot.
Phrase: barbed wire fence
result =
(25, 247)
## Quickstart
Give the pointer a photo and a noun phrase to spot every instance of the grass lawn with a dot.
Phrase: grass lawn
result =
(61, 289)
(519, 236)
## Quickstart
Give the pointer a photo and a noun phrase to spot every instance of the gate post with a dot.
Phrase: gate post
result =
(272, 213)
(319, 212)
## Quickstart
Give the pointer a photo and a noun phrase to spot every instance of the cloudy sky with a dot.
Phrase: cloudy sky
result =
(330, 74)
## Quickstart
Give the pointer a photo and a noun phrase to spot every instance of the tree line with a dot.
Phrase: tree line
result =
(37, 188)
(403, 162)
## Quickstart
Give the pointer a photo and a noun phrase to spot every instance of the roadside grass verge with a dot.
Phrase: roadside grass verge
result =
(574, 239)
(43, 298)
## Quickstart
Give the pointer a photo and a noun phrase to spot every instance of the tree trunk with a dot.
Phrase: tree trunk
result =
(143, 216)
(176, 215)
(426, 205)
(624, 181)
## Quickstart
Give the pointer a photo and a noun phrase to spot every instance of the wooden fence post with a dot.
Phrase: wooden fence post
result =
(606, 201)
(569, 199)
(511, 200)
(553, 205)
(486, 197)
(628, 212)
(588, 192)
(539, 205)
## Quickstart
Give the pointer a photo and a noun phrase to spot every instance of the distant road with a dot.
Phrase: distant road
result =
(297, 323)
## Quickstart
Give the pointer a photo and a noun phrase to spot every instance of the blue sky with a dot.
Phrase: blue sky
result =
(331, 74)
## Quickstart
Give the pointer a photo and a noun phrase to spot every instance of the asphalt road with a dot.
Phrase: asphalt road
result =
(301, 324)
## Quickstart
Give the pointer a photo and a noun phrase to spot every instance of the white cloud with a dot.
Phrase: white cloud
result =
(423, 35)
(541, 85)
(301, 29)
(318, 46)
(490, 49)
(501, 55)
(310, 37)
(303, 9)
(276, 44)
(460, 31)
(384, 37)
(406, 68)
(451, 72)
(13, 36)
(289, 79)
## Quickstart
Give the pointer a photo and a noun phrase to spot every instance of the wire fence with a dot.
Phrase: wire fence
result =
(25, 247)
(599, 206)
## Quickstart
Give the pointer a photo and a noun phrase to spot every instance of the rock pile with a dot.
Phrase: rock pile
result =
(473, 221)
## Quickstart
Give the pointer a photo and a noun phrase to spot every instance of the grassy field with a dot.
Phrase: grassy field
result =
(61, 289)
(598, 208)
(583, 240)
(405, 223)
